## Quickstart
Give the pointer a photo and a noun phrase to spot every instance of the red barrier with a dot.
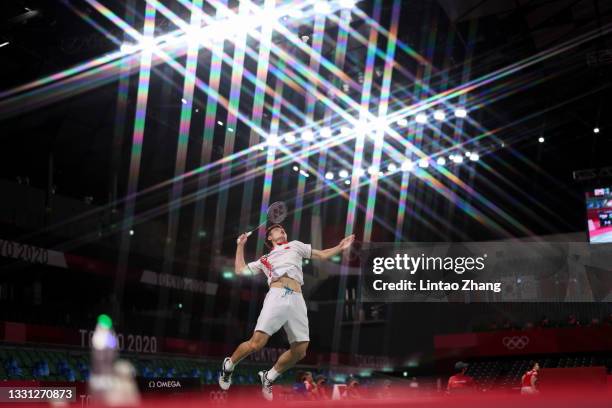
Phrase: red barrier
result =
(521, 342)
(23, 333)
(582, 377)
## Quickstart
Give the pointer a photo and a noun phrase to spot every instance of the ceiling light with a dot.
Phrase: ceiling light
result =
(407, 165)
(273, 140)
(322, 7)
(439, 115)
(308, 136)
(460, 113)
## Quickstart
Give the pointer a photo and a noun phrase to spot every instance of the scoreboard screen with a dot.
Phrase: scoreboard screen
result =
(599, 215)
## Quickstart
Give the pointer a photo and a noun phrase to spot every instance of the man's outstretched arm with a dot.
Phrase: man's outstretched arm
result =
(239, 264)
(328, 253)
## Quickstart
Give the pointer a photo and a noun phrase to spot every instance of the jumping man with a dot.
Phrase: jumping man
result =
(283, 306)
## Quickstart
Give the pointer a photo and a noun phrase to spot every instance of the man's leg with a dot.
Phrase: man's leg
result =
(289, 358)
(255, 343)
(296, 352)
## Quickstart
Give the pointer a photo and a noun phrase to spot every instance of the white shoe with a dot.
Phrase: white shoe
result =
(266, 385)
(225, 377)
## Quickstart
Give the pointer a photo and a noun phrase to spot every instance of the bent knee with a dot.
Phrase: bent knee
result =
(300, 352)
(256, 345)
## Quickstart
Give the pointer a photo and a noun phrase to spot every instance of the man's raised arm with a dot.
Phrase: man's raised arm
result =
(328, 253)
(239, 264)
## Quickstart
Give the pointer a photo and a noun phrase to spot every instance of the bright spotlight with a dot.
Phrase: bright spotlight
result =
(4, 44)
(596, 130)
(474, 157)
(290, 138)
(468, 154)
(303, 173)
(421, 118)
(458, 159)
(407, 165)
(184, 101)
(273, 140)
(329, 175)
(403, 122)
(219, 123)
(326, 132)
(322, 7)
(347, 182)
(343, 174)
(424, 163)
(460, 113)
(131, 232)
(296, 168)
(148, 44)
(392, 168)
(372, 170)
(541, 139)
(307, 135)
(347, 4)
(441, 161)
(439, 115)
(451, 157)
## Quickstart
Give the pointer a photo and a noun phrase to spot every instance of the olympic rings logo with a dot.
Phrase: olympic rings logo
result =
(218, 397)
(515, 342)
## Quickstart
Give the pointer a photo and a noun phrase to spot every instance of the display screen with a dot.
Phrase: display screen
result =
(599, 214)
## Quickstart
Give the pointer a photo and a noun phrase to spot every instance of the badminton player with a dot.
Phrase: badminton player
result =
(529, 380)
(283, 306)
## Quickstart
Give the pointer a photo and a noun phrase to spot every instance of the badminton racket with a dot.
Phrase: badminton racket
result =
(277, 212)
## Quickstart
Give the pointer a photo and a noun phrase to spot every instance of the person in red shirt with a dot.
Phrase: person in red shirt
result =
(460, 382)
(312, 391)
(321, 383)
(529, 380)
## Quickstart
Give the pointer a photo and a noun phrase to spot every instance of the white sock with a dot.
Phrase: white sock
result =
(229, 366)
(272, 375)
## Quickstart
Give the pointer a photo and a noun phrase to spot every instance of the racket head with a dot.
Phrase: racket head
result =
(277, 212)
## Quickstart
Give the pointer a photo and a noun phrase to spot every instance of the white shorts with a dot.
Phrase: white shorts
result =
(286, 309)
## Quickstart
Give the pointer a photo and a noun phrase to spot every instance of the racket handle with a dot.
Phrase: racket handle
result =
(248, 234)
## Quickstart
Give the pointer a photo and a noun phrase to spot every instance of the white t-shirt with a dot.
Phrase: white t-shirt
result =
(283, 260)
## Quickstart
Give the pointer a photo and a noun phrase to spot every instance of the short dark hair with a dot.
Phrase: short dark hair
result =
(268, 230)
(460, 366)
